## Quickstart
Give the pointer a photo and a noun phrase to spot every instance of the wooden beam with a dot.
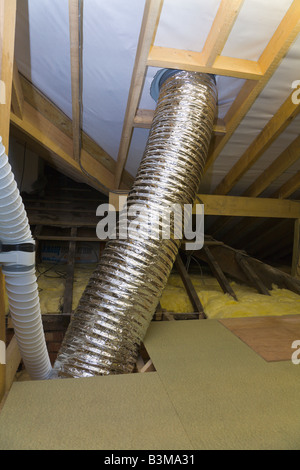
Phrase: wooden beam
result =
(144, 118)
(249, 207)
(7, 45)
(268, 62)
(68, 293)
(148, 367)
(7, 26)
(226, 259)
(286, 159)
(52, 113)
(170, 58)
(220, 30)
(191, 291)
(13, 359)
(296, 250)
(147, 35)
(218, 273)
(235, 206)
(281, 119)
(75, 55)
(60, 149)
(251, 274)
(286, 190)
(17, 97)
(289, 187)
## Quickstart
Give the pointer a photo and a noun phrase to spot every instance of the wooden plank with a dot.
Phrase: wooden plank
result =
(289, 187)
(60, 149)
(233, 206)
(218, 273)
(147, 35)
(226, 259)
(158, 313)
(68, 294)
(270, 337)
(67, 238)
(251, 274)
(271, 57)
(7, 45)
(148, 367)
(144, 118)
(75, 55)
(296, 250)
(139, 363)
(281, 119)
(191, 291)
(62, 219)
(13, 359)
(167, 57)
(53, 114)
(220, 30)
(7, 25)
(17, 97)
(286, 159)
(249, 207)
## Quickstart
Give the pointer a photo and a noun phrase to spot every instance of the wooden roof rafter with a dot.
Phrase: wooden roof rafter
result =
(209, 60)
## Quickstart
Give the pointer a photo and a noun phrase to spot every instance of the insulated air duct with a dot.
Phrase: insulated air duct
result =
(17, 259)
(120, 299)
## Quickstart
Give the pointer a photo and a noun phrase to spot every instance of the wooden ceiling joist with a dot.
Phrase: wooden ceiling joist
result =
(75, 55)
(209, 60)
(289, 187)
(60, 148)
(46, 111)
(17, 96)
(144, 118)
(224, 20)
(286, 159)
(8, 10)
(268, 62)
(234, 206)
(147, 35)
(280, 121)
(166, 57)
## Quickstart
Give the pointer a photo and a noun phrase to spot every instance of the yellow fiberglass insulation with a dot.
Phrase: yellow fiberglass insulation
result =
(216, 304)
(175, 299)
(51, 282)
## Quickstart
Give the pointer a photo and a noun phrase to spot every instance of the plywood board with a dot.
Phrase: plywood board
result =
(226, 396)
(113, 412)
(270, 337)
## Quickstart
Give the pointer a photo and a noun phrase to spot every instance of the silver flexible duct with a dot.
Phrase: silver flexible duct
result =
(120, 299)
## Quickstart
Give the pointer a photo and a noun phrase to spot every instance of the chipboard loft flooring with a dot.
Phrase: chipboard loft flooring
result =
(210, 391)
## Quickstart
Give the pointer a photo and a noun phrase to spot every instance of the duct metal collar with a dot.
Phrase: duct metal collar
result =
(160, 77)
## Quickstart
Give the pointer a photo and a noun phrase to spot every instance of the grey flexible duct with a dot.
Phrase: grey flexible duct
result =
(120, 299)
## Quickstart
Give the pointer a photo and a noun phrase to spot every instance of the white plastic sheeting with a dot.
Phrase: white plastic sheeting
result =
(110, 36)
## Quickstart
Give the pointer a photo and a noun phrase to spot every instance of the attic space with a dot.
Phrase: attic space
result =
(149, 227)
